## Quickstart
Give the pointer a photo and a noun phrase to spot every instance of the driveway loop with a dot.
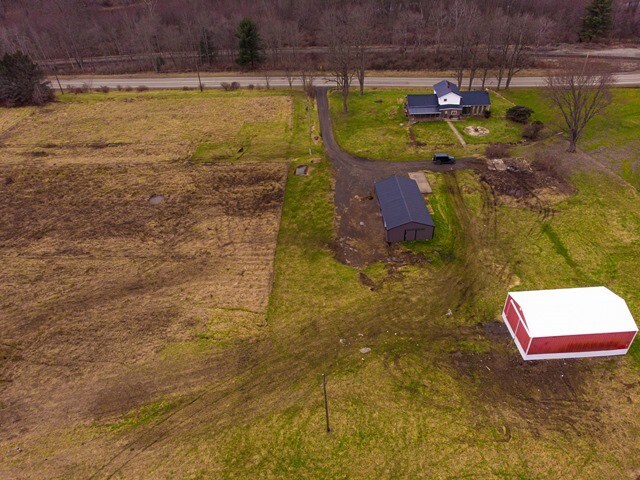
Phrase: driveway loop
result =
(361, 245)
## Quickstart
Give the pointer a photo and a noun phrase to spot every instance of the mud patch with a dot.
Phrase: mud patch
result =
(496, 330)
(526, 182)
(540, 396)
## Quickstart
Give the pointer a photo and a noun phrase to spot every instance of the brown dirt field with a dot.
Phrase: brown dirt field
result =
(104, 296)
(130, 129)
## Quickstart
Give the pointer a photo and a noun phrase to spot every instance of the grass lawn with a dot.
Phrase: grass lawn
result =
(376, 127)
(501, 130)
(612, 137)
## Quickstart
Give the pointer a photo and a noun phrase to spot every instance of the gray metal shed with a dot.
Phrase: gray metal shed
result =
(404, 212)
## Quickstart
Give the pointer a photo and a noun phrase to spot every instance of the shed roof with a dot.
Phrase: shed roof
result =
(444, 87)
(574, 311)
(401, 202)
(474, 98)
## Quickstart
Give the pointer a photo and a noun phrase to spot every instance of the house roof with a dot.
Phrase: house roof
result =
(422, 104)
(574, 311)
(444, 87)
(428, 103)
(401, 202)
(474, 98)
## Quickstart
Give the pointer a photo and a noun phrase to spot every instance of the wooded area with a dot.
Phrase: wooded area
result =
(116, 36)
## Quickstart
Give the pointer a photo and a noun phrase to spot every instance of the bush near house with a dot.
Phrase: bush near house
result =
(519, 113)
(532, 130)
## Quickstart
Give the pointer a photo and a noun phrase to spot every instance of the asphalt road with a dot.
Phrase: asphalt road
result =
(168, 82)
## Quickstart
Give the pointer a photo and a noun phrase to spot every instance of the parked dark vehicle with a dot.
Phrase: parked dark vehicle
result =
(440, 158)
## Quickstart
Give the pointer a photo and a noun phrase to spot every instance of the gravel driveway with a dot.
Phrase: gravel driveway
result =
(360, 240)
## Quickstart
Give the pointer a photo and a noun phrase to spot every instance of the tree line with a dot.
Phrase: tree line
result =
(116, 36)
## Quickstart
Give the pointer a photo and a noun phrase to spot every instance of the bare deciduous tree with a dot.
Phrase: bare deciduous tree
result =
(579, 93)
(338, 35)
(292, 60)
(362, 35)
(463, 15)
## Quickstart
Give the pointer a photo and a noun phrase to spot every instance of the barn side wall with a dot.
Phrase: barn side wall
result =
(397, 234)
(581, 343)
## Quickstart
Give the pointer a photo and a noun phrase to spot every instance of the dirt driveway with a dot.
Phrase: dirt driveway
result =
(359, 224)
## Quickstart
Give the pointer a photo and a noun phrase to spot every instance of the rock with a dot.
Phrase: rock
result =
(343, 341)
(365, 350)
(449, 313)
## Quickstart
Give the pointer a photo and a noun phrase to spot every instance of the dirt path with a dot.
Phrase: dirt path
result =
(456, 133)
(360, 234)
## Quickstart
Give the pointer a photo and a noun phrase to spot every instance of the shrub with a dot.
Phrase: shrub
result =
(103, 89)
(226, 86)
(142, 88)
(532, 130)
(22, 82)
(84, 88)
(128, 88)
(186, 88)
(519, 113)
(487, 114)
(250, 86)
(497, 150)
(549, 163)
(119, 88)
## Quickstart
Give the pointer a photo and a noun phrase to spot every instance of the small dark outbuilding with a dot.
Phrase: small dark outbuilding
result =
(404, 212)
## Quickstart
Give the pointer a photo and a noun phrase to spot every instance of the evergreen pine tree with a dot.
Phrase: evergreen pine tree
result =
(22, 82)
(249, 44)
(597, 22)
(206, 48)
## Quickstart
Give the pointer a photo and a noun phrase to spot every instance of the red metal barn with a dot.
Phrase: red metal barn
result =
(569, 323)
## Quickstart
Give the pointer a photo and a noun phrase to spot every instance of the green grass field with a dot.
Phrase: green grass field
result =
(376, 127)
(431, 399)
(611, 137)
(439, 396)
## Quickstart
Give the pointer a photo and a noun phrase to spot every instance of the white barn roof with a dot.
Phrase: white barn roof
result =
(574, 311)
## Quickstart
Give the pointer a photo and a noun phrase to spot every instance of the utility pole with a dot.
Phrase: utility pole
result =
(198, 70)
(326, 403)
(55, 72)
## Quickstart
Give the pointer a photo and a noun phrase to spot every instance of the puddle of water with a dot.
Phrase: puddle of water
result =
(155, 199)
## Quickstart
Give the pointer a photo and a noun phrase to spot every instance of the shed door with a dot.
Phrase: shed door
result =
(412, 234)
